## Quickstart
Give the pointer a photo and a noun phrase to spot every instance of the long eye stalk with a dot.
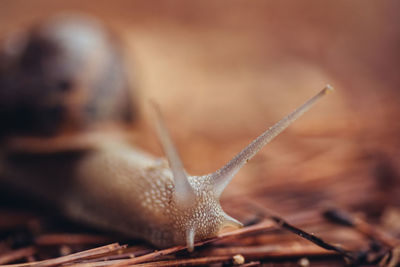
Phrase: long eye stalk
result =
(183, 191)
(223, 176)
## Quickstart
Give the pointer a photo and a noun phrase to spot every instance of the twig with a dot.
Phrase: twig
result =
(293, 249)
(123, 256)
(252, 263)
(373, 232)
(17, 254)
(90, 264)
(316, 240)
(310, 237)
(204, 261)
(150, 256)
(79, 256)
(391, 259)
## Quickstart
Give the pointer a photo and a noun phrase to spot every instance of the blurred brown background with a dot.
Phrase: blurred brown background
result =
(223, 71)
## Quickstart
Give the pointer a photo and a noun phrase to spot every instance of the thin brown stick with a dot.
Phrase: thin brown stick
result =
(292, 249)
(122, 256)
(373, 232)
(17, 254)
(310, 237)
(204, 261)
(150, 256)
(93, 264)
(79, 256)
(252, 263)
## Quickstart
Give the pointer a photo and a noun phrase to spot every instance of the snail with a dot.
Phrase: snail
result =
(105, 181)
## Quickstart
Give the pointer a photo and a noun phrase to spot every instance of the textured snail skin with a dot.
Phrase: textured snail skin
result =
(144, 205)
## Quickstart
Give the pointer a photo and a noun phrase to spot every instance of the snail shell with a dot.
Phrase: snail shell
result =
(64, 75)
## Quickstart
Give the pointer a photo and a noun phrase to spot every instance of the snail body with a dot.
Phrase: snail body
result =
(111, 184)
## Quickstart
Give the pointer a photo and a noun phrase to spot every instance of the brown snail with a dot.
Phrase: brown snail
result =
(113, 185)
